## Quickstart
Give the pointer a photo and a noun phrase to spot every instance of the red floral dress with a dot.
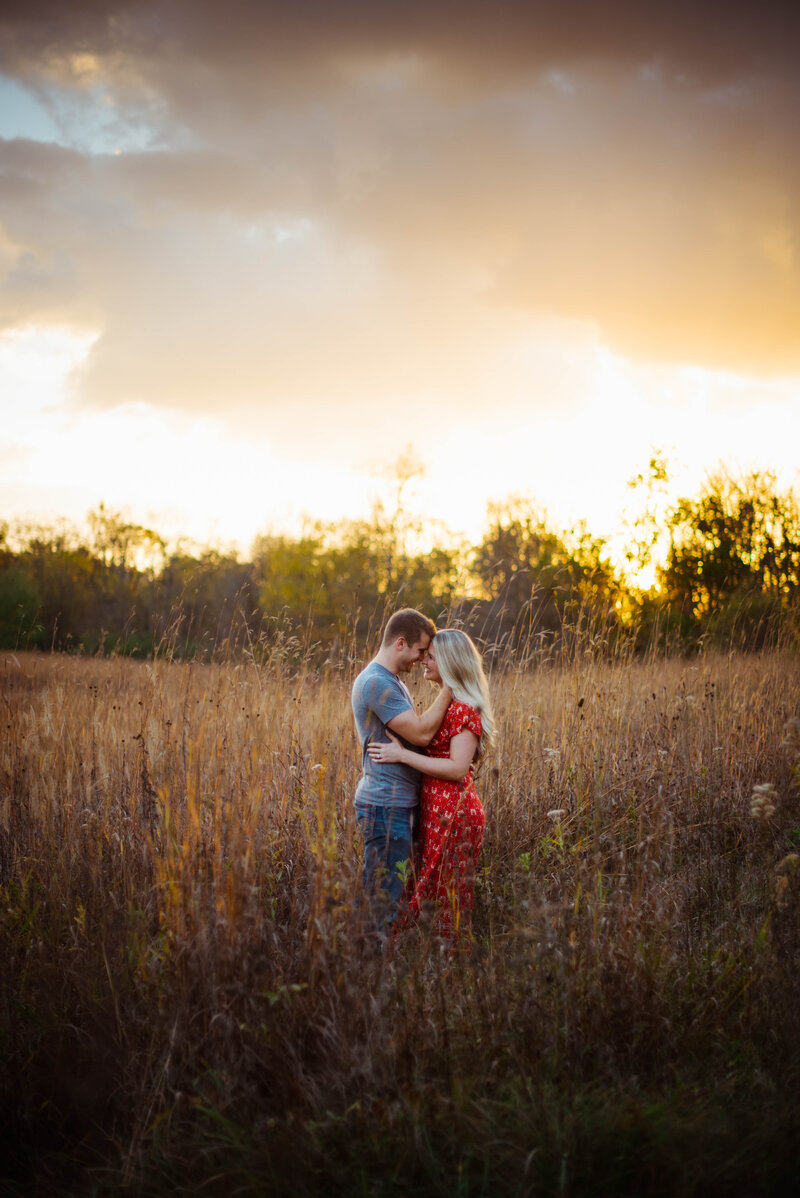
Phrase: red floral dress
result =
(452, 822)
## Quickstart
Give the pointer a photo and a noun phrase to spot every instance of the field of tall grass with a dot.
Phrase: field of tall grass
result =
(187, 1004)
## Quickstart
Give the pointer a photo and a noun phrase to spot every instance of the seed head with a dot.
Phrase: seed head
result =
(763, 801)
(791, 738)
(788, 865)
(787, 877)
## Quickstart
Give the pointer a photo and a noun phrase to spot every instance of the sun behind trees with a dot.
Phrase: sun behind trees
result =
(729, 570)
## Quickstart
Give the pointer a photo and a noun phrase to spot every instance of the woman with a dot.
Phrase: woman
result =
(452, 816)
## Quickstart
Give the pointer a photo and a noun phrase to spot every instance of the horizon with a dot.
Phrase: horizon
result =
(657, 499)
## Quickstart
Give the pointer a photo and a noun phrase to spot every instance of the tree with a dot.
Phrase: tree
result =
(734, 553)
(534, 577)
(339, 579)
(210, 598)
(119, 543)
(646, 531)
(19, 608)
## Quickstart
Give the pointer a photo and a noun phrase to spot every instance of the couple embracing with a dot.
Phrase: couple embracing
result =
(401, 749)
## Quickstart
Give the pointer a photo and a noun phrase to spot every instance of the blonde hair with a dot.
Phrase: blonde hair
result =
(461, 668)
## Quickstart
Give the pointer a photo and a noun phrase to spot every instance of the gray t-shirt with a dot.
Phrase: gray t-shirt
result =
(378, 696)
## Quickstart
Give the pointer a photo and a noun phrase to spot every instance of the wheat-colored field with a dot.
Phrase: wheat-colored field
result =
(188, 1005)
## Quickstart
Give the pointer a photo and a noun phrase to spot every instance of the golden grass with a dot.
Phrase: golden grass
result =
(186, 995)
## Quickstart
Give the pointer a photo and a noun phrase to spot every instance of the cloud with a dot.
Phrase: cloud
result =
(339, 207)
(713, 39)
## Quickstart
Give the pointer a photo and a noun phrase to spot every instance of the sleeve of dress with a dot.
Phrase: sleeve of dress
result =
(468, 717)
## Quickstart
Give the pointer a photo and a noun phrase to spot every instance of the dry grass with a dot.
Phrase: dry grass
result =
(187, 1005)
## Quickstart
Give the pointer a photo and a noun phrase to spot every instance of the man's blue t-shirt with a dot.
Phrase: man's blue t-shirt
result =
(378, 696)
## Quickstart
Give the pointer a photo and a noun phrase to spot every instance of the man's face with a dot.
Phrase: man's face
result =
(411, 655)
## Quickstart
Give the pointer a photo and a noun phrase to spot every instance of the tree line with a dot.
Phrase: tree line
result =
(726, 566)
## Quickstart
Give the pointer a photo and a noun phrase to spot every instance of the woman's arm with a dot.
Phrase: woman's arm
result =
(451, 769)
(419, 729)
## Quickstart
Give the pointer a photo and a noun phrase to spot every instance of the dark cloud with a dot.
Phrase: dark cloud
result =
(713, 39)
(349, 200)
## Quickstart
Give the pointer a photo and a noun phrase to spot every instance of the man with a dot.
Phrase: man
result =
(387, 795)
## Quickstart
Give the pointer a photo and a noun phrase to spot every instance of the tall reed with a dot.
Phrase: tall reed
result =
(187, 996)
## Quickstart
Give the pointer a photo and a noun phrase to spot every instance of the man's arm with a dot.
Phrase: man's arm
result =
(419, 729)
(453, 768)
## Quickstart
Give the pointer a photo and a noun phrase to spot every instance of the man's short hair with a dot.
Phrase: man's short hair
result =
(410, 624)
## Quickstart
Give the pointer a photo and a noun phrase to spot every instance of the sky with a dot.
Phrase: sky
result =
(251, 254)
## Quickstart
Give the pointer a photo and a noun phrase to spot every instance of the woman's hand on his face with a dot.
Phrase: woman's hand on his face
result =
(382, 752)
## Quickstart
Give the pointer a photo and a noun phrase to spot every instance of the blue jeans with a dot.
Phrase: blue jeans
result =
(388, 843)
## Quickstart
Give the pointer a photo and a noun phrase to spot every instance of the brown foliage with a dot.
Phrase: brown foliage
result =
(185, 991)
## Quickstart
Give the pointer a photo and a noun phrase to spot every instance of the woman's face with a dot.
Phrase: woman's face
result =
(429, 666)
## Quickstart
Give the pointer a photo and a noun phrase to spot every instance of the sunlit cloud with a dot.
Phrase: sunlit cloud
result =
(189, 476)
(322, 232)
